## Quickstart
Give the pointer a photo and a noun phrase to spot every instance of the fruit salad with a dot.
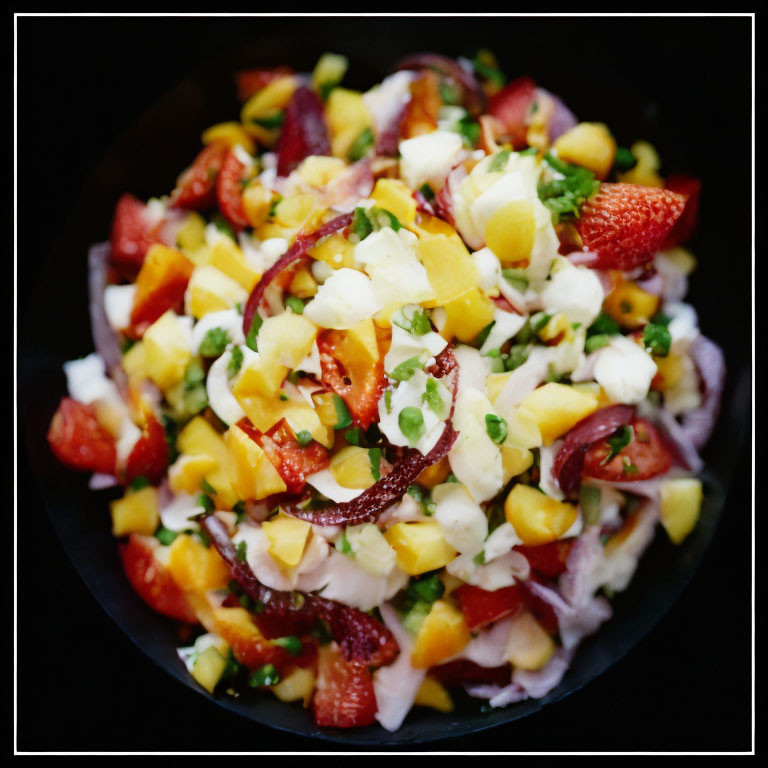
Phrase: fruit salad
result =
(392, 389)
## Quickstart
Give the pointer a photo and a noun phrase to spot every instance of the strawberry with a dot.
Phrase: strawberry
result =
(149, 457)
(229, 190)
(625, 224)
(482, 607)
(344, 697)
(510, 107)
(131, 234)
(686, 224)
(251, 81)
(195, 186)
(79, 441)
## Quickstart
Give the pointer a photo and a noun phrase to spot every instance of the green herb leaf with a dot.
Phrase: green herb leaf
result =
(426, 589)
(207, 487)
(427, 192)
(432, 397)
(388, 400)
(596, 342)
(343, 544)
(496, 427)
(138, 483)
(273, 206)
(564, 197)
(240, 551)
(223, 226)
(295, 304)
(291, 643)
(361, 224)
(235, 362)
(499, 161)
(488, 72)
(171, 431)
(270, 121)
(469, 130)
(266, 675)
(251, 338)
(361, 145)
(411, 423)
(479, 558)
(164, 536)
(304, 437)
(416, 324)
(413, 620)
(657, 339)
(448, 93)
(416, 492)
(343, 417)
(481, 337)
(624, 160)
(206, 502)
(374, 454)
(518, 354)
(603, 325)
(405, 370)
(620, 440)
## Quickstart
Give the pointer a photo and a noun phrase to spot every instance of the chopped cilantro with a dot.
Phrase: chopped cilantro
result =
(469, 130)
(214, 342)
(207, 487)
(235, 362)
(624, 160)
(240, 551)
(405, 370)
(206, 502)
(479, 558)
(620, 440)
(487, 71)
(449, 93)
(603, 325)
(343, 417)
(343, 544)
(138, 483)
(427, 192)
(361, 224)
(564, 197)
(518, 354)
(291, 643)
(416, 492)
(361, 145)
(223, 226)
(273, 206)
(411, 423)
(374, 454)
(496, 427)
(270, 121)
(481, 337)
(388, 400)
(499, 161)
(251, 339)
(164, 536)
(416, 324)
(596, 342)
(657, 339)
(426, 589)
(239, 510)
(171, 431)
(432, 397)
(266, 675)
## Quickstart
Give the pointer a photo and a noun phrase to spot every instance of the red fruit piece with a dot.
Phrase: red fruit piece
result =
(195, 186)
(344, 697)
(229, 190)
(304, 131)
(647, 455)
(686, 225)
(548, 559)
(251, 81)
(510, 107)
(152, 580)
(625, 224)
(132, 234)
(482, 607)
(79, 441)
(464, 671)
(149, 457)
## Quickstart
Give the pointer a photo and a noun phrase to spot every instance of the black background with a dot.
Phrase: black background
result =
(82, 684)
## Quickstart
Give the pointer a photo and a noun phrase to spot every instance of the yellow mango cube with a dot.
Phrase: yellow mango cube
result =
(318, 170)
(511, 232)
(287, 539)
(227, 257)
(593, 389)
(420, 546)
(186, 474)
(590, 145)
(210, 290)
(303, 284)
(209, 668)
(530, 646)
(297, 685)
(167, 350)
(347, 117)
(558, 327)
(537, 518)
(266, 103)
(335, 251)
(435, 474)
(136, 512)
(466, 316)
(434, 694)
(232, 133)
(294, 211)
(450, 269)
(191, 234)
(680, 506)
(135, 362)
(442, 634)
(514, 461)
(556, 408)
(257, 201)
(359, 345)
(325, 408)
(669, 371)
(329, 70)
(351, 468)
(195, 567)
(629, 305)
(252, 474)
(646, 171)
(286, 338)
(394, 196)
(263, 378)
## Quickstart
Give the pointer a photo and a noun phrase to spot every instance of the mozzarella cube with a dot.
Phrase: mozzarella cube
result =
(429, 158)
(624, 371)
(462, 521)
(576, 292)
(343, 300)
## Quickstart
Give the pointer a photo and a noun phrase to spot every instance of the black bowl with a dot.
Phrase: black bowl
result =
(634, 96)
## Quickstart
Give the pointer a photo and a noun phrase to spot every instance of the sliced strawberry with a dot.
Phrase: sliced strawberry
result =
(291, 459)
(304, 131)
(195, 187)
(79, 441)
(482, 607)
(149, 457)
(686, 225)
(251, 81)
(548, 559)
(152, 580)
(344, 697)
(132, 234)
(510, 107)
(646, 456)
(229, 190)
(625, 224)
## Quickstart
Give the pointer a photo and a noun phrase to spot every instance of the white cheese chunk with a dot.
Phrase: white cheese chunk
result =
(461, 520)
(505, 326)
(406, 345)
(220, 396)
(343, 300)
(576, 292)
(429, 158)
(118, 304)
(624, 370)
(488, 268)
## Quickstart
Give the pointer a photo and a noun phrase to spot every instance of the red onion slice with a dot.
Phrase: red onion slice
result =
(562, 119)
(698, 424)
(361, 637)
(297, 251)
(304, 131)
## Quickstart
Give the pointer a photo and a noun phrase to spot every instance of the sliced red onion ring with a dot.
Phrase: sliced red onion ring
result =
(297, 251)
(569, 462)
(474, 97)
(389, 137)
(360, 636)
(562, 119)
(709, 360)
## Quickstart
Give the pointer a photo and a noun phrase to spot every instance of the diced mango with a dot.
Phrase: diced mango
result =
(251, 473)
(646, 171)
(434, 694)
(394, 196)
(235, 626)
(199, 438)
(442, 634)
(359, 346)
(466, 316)
(590, 145)
(257, 201)
(186, 474)
(556, 408)
(511, 232)
(351, 468)
(303, 284)
(450, 268)
(435, 474)
(420, 546)
(136, 512)
(629, 305)
(135, 362)
(208, 668)
(530, 646)
(329, 71)
(167, 350)
(294, 211)
(195, 567)
(680, 506)
(514, 461)
(325, 408)
(262, 377)
(335, 251)
(593, 389)
(522, 429)
(266, 103)
(558, 328)
(191, 234)
(297, 685)
(318, 170)
(347, 117)
(232, 133)
(669, 371)
(210, 290)
(286, 338)
(287, 539)
(537, 518)
(227, 257)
